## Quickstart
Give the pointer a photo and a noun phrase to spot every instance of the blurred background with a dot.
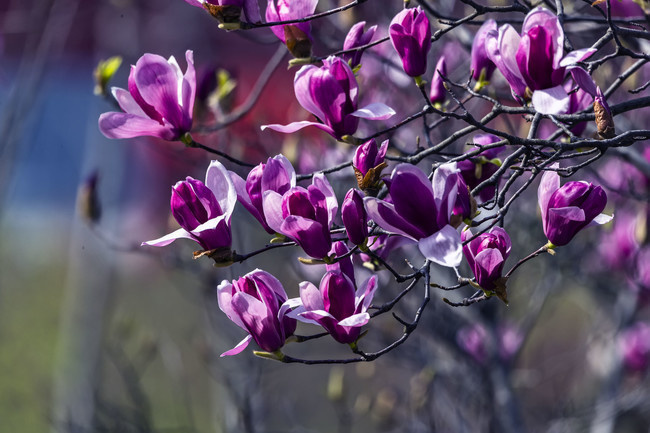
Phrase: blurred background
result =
(99, 334)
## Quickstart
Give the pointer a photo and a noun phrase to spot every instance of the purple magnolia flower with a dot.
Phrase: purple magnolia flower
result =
(256, 303)
(354, 217)
(230, 10)
(410, 34)
(304, 215)
(421, 211)
(486, 255)
(276, 175)
(297, 37)
(337, 306)
(482, 66)
(478, 169)
(331, 94)
(569, 209)
(634, 344)
(356, 37)
(344, 265)
(534, 63)
(159, 101)
(369, 156)
(438, 92)
(203, 210)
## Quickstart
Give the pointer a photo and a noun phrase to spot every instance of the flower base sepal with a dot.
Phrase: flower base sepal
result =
(276, 356)
(223, 257)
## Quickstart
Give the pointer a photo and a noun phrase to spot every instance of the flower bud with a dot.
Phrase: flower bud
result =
(486, 255)
(354, 217)
(356, 37)
(438, 92)
(410, 34)
(297, 37)
(604, 119)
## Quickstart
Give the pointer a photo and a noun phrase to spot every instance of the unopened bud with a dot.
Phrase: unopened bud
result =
(104, 72)
(604, 119)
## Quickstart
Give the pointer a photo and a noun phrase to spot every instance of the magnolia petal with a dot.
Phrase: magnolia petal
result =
(311, 297)
(239, 347)
(169, 238)
(576, 56)
(220, 183)
(296, 126)
(272, 205)
(547, 186)
(320, 181)
(365, 293)
(127, 103)
(374, 111)
(224, 300)
(601, 219)
(196, 3)
(584, 80)
(355, 320)
(554, 100)
(385, 216)
(157, 82)
(309, 234)
(443, 247)
(188, 90)
(125, 125)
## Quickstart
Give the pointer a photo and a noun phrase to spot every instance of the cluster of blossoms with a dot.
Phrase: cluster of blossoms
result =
(433, 209)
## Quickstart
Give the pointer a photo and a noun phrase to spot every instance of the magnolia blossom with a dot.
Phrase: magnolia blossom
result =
(421, 210)
(568, 209)
(336, 305)
(230, 10)
(331, 94)
(356, 37)
(410, 34)
(304, 215)
(203, 210)
(297, 36)
(276, 175)
(534, 63)
(476, 341)
(256, 303)
(159, 101)
(486, 255)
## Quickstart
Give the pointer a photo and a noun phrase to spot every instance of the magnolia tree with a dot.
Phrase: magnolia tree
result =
(451, 120)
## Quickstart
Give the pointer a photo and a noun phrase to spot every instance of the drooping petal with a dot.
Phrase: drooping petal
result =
(443, 247)
(127, 103)
(239, 347)
(169, 238)
(554, 100)
(124, 125)
(386, 217)
(296, 126)
(374, 111)
(355, 320)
